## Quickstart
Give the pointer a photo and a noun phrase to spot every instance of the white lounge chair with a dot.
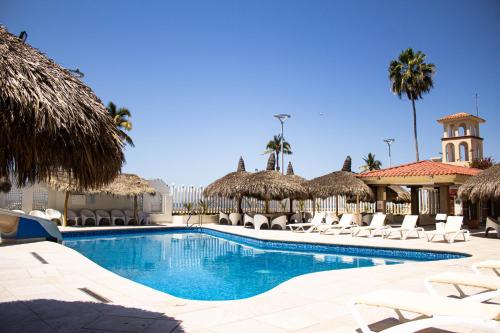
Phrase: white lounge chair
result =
(38, 213)
(247, 220)
(436, 311)
(54, 215)
(329, 221)
(73, 218)
(235, 218)
(86, 216)
(223, 218)
(129, 217)
(260, 221)
(494, 265)
(102, 216)
(377, 225)
(440, 217)
(346, 223)
(492, 224)
(144, 218)
(280, 222)
(408, 226)
(450, 231)
(331, 218)
(117, 217)
(19, 211)
(490, 284)
(302, 227)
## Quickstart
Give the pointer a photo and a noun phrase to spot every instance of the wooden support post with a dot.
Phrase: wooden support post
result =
(415, 209)
(135, 210)
(65, 219)
(444, 199)
(381, 197)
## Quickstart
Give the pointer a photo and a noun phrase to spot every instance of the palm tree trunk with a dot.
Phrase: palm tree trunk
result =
(415, 129)
(277, 160)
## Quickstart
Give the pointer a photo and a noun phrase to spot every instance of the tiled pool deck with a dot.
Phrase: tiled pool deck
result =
(46, 297)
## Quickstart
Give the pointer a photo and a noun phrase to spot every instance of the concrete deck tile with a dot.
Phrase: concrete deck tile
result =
(115, 323)
(247, 326)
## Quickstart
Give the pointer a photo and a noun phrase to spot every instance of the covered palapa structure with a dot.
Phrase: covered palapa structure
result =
(124, 184)
(272, 185)
(50, 121)
(229, 186)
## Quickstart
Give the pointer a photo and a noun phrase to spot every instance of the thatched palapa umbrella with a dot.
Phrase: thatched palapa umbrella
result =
(229, 186)
(125, 184)
(483, 186)
(339, 183)
(50, 121)
(272, 185)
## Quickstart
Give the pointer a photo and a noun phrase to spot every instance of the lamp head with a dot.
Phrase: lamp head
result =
(282, 117)
(389, 141)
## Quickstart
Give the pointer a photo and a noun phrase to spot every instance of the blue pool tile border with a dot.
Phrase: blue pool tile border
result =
(362, 251)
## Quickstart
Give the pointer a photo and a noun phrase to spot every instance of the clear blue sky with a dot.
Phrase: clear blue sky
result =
(204, 78)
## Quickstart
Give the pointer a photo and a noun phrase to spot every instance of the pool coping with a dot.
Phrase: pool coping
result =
(158, 229)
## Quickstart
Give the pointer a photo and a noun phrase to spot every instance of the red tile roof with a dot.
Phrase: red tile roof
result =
(460, 115)
(422, 168)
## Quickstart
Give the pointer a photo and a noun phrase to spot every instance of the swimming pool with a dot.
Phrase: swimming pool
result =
(204, 264)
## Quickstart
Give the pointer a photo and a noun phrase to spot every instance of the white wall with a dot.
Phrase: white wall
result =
(55, 200)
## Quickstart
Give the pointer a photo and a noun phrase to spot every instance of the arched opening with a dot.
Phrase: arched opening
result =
(463, 151)
(451, 131)
(462, 130)
(450, 152)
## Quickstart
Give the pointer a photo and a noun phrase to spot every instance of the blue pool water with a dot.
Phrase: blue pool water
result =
(204, 264)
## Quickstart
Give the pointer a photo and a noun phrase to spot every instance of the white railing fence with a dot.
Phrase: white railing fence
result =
(182, 195)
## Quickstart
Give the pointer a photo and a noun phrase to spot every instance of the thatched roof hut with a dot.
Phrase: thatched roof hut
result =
(339, 183)
(272, 185)
(399, 194)
(50, 121)
(229, 186)
(125, 184)
(483, 186)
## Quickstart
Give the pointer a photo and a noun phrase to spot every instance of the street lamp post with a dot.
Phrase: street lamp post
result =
(282, 117)
(389, 143)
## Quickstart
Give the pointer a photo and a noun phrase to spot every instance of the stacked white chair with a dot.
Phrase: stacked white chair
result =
(129, 217)
(144, 218)
(117, 215)
(38, 213)
(235, 218)
(86, 216)
(54, 215)
(280, 222)
(73, 218)
(248, 221)
(260, 221)
(102, 216)
(223, 218)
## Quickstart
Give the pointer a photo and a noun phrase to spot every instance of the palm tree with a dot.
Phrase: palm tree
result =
(122, 122)
(274, 146)
(371, 163)
(410, 75)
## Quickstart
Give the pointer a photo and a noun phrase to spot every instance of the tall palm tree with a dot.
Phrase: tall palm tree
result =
(371, 163)
(274, 146)
(122, 122)
(410, 75)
